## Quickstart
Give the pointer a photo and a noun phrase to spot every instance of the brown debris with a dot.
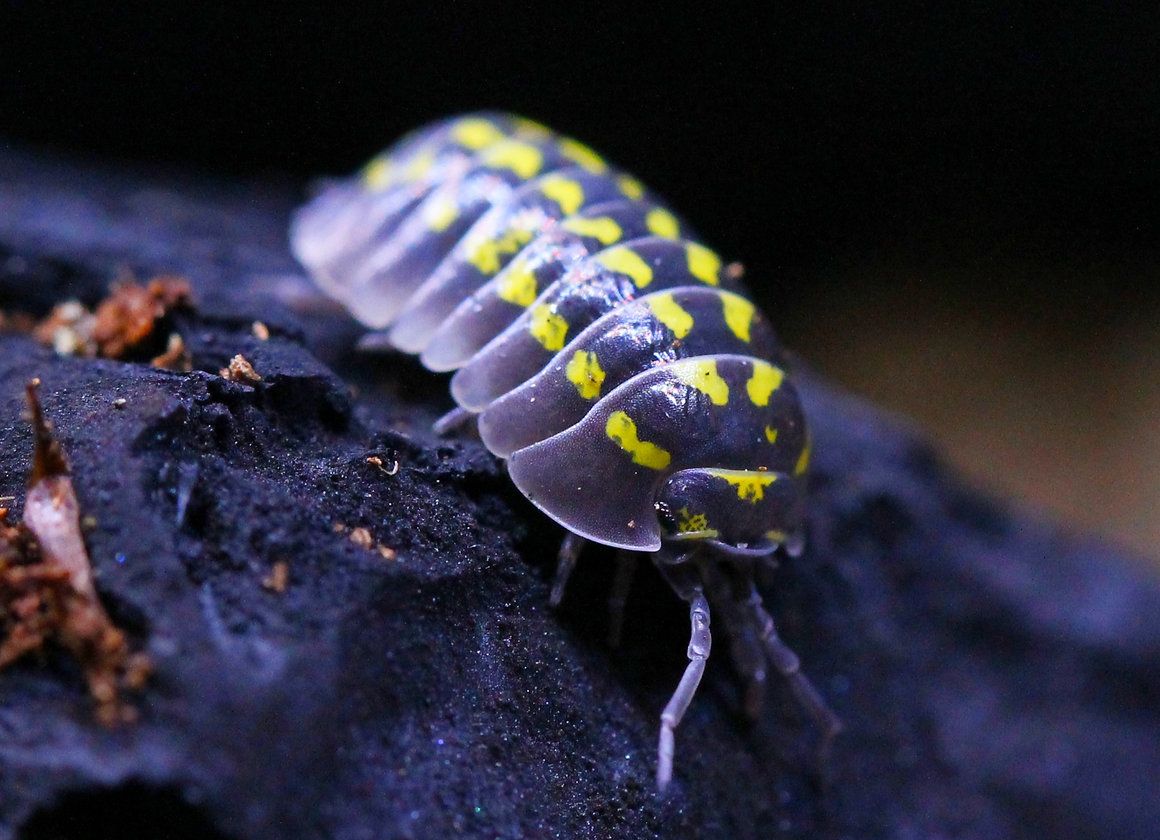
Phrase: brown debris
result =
(240, 370)
(68, 329)
(362, 538)
(376, 461)
(279, 577)
(735, 271)
(125, 319)
(46, 584)
(175, 357)
(16, 322)
(123, 324)
(261, 331)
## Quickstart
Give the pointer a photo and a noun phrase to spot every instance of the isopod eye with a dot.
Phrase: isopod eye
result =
(670, 523)
(739, 508)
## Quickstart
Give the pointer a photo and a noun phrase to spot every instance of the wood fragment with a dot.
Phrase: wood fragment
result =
(47, 593)
(240, 370)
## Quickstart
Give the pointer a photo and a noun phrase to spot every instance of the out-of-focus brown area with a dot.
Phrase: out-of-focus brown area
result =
(123, 325)
(1055, 402)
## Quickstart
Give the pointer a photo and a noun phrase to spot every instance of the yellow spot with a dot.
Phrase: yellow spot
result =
(621, 429)
(662, 223)
(750, 486)
(702, 374)
(738, 314)
(378, 174)
(441, 214)
(524, 159)
(703, 263)
(565, 192)
(694, 524)
(669, 312)
(631, 187)
(763, 382)
(627, 261)
(771, 434)
(517, 285)
(585, 373)
(475, 133)
(602, 228)
(803, 461)
(547, 327)
(530, 128)
(419, 166)
(487, 253)
(583, 155)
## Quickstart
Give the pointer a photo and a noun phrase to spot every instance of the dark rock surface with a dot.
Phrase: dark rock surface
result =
(997, 678)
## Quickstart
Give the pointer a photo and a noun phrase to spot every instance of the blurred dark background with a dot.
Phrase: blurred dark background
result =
(950, 210)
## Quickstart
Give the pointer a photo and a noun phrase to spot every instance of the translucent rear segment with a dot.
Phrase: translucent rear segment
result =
(392, 273)
(330, 233)
(534, 210)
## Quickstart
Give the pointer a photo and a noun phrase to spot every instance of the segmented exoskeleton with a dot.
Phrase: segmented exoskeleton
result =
(614, 361)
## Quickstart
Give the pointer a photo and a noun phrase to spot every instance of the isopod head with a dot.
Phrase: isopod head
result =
(749, 510)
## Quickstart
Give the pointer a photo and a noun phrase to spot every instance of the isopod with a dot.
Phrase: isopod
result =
(615, 362)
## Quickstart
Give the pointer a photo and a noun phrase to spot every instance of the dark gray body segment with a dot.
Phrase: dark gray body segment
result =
(597, 285)
(494, 306)
(652, 330)
(600, 478)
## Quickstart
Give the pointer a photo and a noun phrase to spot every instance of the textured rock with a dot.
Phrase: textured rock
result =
(997, 678)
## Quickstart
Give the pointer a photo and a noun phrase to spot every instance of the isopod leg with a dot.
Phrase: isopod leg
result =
(617, 598)
(700, 642)
(731, 605)
(452, 421)
(786, 662)
(570, 550)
